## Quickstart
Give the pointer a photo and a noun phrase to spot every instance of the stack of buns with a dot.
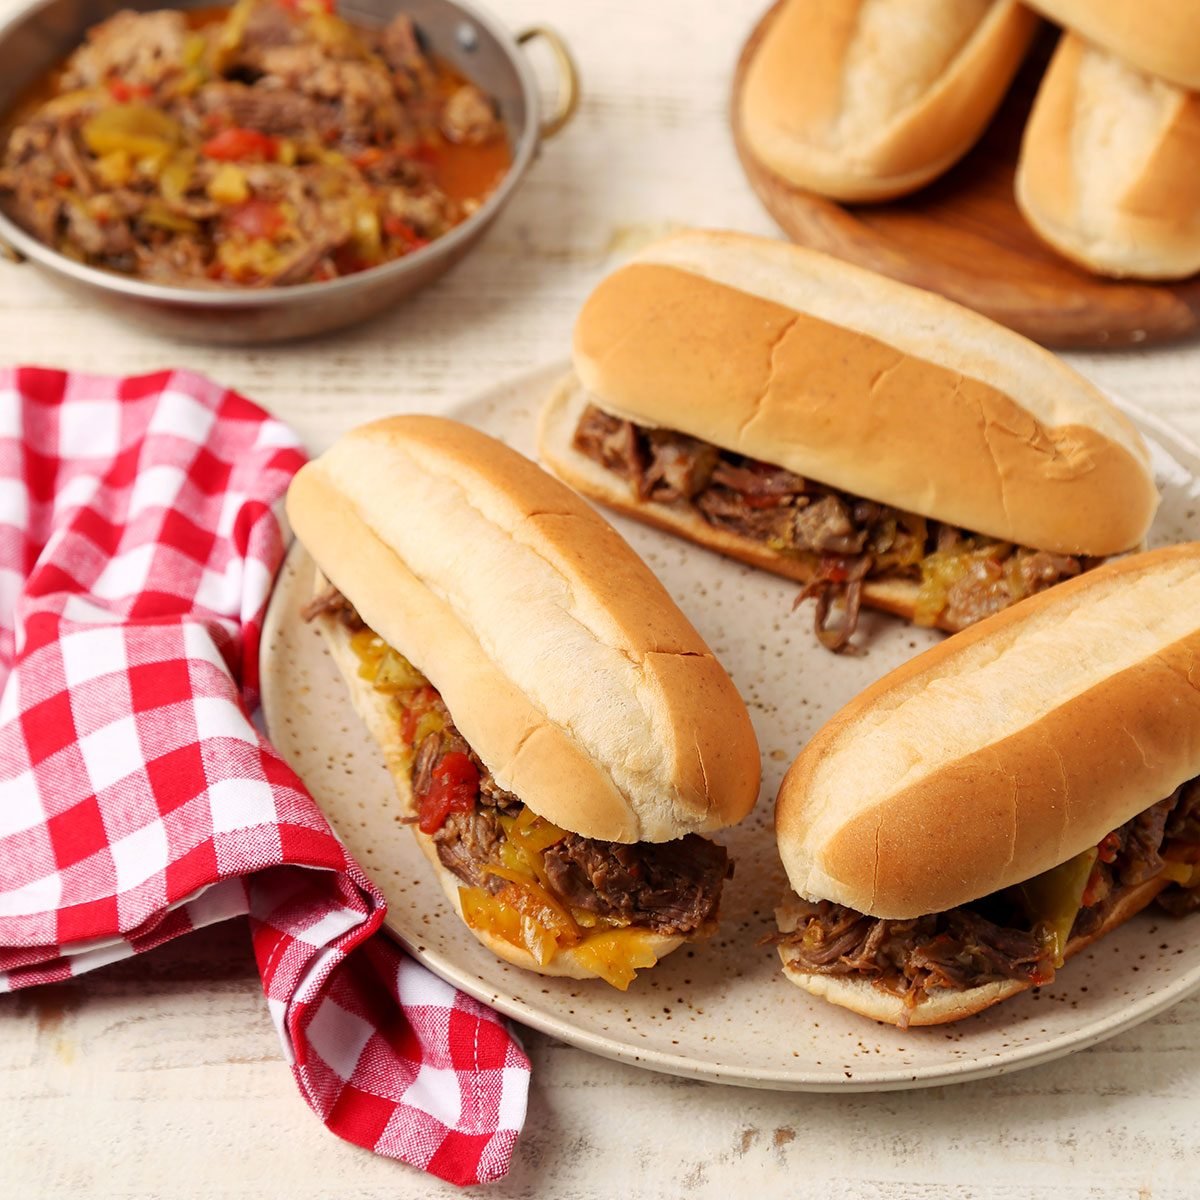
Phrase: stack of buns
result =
(868, 100)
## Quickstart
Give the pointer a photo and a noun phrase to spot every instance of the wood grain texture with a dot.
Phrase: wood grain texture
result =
(162, 1077)
(964, 236)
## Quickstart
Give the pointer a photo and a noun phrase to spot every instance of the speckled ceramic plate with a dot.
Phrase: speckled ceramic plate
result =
(720, 1010)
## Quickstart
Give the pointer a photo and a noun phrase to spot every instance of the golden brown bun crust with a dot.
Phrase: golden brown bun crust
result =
(567, 666)
(1107, 174)
(865, 384)
(1161, 37)
(1005, 750)
(864, 997)
(383, 727)
(868, 101)
(556, 428)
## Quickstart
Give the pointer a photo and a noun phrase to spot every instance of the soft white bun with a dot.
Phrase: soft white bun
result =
(1005, 750)
(865, 384)
(566, 666)
(1109, 173)
(936, 1008)
(1162, 37)
(556, 430)
(870, 99)
(385, 729)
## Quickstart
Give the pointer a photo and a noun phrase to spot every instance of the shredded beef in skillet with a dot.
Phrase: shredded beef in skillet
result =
(271, 143)
(850, 539)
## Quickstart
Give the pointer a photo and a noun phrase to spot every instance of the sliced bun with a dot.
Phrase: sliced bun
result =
(867, 385)
(564, 662)
(866, 101)
(864, 997)
(1005, 750)
(384, 728)
(1161, 37)
(556, 430)
(1108, 168)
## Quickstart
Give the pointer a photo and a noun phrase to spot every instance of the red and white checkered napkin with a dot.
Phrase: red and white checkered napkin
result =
(138, 543)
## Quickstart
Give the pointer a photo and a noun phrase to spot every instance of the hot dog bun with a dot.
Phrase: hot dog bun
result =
(870, 99)
(381, 722)
(1161, 37)
(565, 664)
(867, 385)
(1107, 173)
(998, 755)
(995, 739)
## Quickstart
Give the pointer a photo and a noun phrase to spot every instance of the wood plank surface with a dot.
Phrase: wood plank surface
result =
(162, 1076)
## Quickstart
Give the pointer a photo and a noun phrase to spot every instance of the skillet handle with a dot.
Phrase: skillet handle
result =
(568, 77)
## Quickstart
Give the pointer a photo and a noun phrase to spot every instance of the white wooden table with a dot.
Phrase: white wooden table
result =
(162, 1076)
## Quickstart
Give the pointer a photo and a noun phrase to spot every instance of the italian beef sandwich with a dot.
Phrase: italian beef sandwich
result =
(877, 443)
(993, 806)
(560, 737)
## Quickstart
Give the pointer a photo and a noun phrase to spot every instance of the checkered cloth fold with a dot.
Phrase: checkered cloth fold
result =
(138, 543)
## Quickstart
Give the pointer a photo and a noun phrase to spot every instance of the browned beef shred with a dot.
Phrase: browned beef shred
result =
(994, 938)
(672, 888)
(850, 539)
(332, 603)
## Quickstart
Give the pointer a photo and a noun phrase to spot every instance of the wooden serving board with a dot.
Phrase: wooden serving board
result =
(963, 236)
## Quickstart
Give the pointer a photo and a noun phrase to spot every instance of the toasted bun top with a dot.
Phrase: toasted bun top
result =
(868, 385)
(1159, 36)
(864, 99)
(1005, 750)
(562, 659)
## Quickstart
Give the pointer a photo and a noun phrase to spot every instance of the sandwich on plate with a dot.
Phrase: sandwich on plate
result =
(560, 737)
(993, 806)
(878, 443)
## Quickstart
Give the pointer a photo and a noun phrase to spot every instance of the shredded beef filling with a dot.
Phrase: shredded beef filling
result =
(849, 539)
(994, 938)
(332, 603)
(672, 888)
